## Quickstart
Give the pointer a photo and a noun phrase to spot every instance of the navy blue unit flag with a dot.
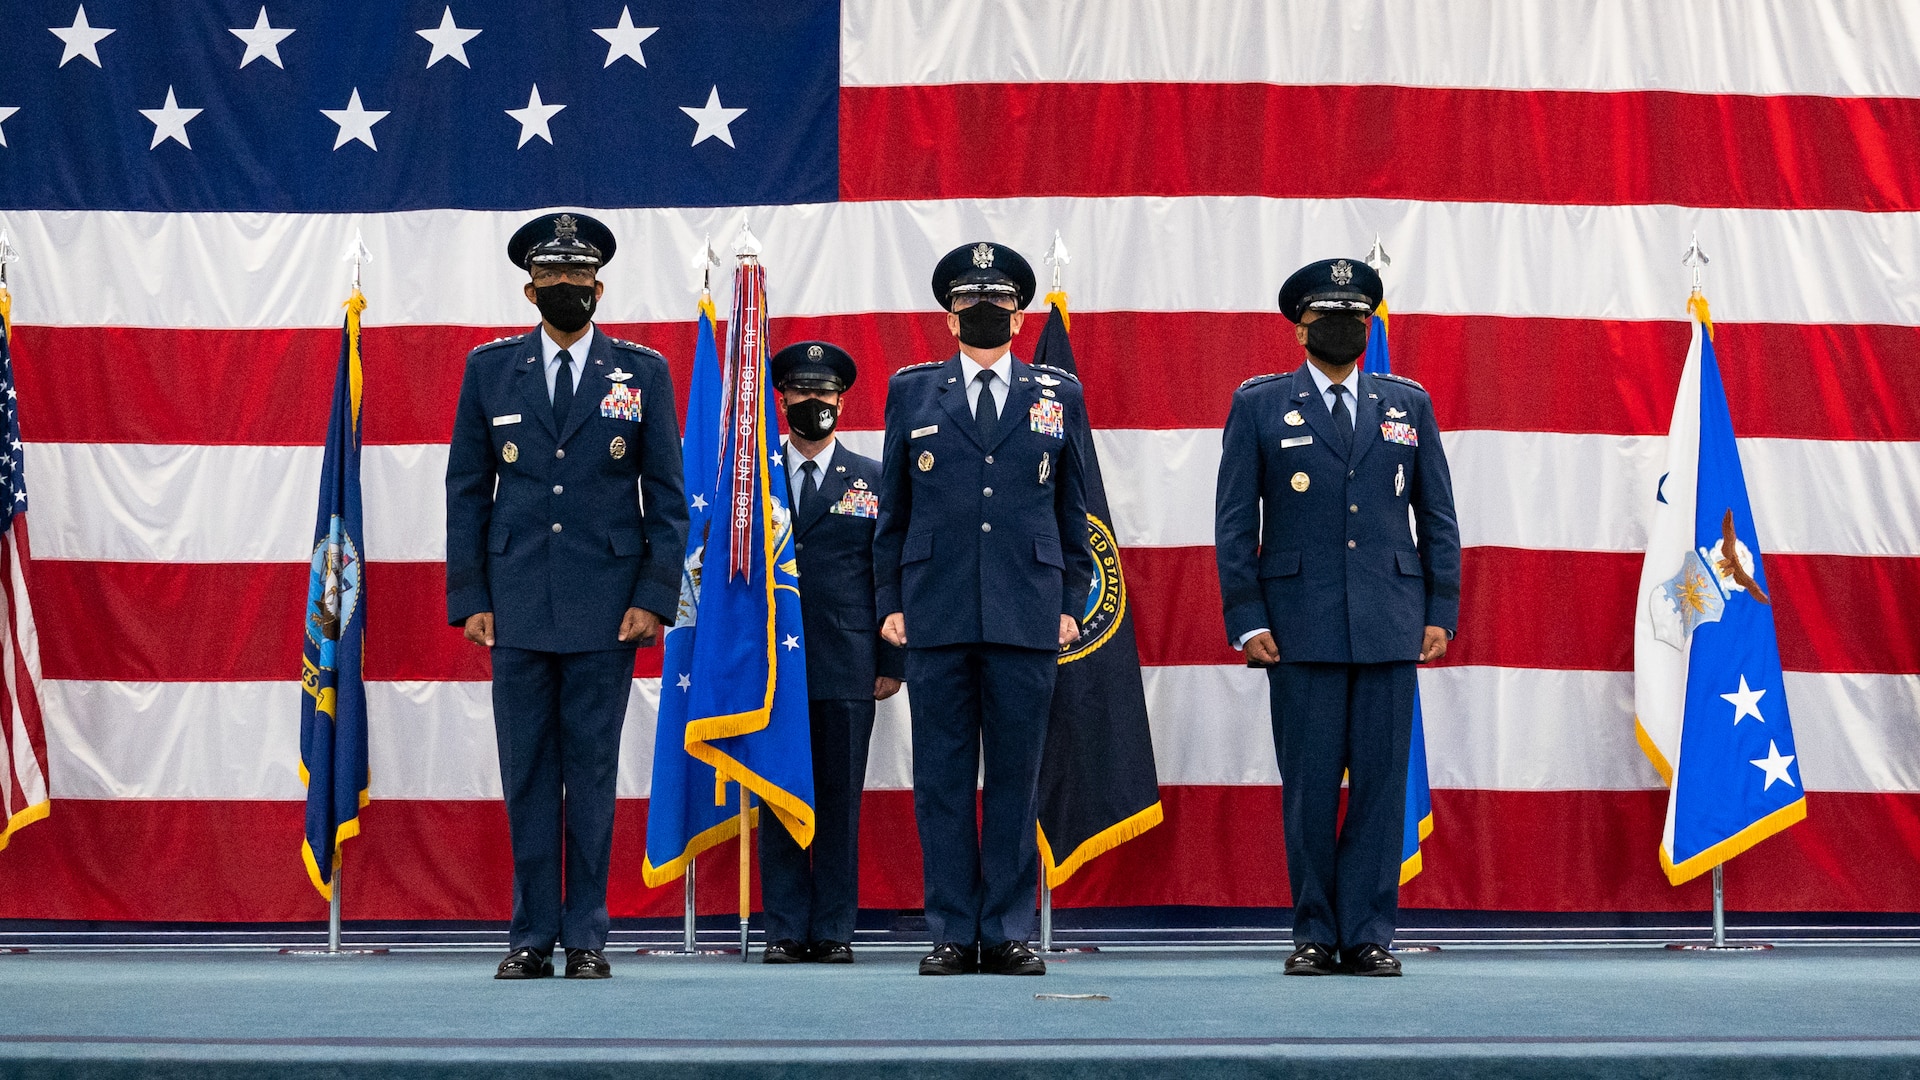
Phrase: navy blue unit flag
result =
(733, 691)
(1419, 816)
(1710, 697)
(333, 702)
(1098, 784)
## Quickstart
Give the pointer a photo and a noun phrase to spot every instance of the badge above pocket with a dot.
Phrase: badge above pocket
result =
(621, 403)
(1048, 417)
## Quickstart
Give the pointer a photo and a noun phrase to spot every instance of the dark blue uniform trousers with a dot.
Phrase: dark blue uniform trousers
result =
(814, 894)
(972, 705)
(1331, 720)
(557, 719)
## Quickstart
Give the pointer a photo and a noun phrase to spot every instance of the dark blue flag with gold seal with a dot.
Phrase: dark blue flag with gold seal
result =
(1098, 784)
(333, 704)
(1418, 823)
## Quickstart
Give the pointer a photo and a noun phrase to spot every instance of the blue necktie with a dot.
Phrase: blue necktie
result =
(1342, 421)
(562, 392)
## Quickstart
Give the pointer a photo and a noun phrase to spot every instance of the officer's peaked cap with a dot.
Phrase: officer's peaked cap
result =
(1331, 285)
(564, 239)
(982, 267)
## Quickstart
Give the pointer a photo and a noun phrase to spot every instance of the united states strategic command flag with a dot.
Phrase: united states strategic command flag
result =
(1098, 787)
(333, 707)
(1712, 705)
(1419, 816)
(733, 691)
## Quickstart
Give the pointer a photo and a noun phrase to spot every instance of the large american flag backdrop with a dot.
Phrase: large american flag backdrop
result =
(182, 180)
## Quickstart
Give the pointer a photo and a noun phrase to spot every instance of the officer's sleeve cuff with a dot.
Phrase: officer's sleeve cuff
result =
(1249, 636)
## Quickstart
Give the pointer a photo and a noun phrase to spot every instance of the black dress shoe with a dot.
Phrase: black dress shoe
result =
(588, 964)
(1011, 958)
(784, 951)
(524, 964)
(1312, 959)
(1371, 959)
(950, 958)
(832, 952)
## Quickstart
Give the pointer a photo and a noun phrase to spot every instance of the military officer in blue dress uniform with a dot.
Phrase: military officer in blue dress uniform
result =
(813, 896)
(983, 569)
(566, 523)
(1325, 584)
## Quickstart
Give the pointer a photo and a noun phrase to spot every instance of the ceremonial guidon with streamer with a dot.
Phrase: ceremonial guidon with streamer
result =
(733, 692)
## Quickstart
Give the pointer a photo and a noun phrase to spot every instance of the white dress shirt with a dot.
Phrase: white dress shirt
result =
(1001, 382)
(1326, 390)
(823, 461)
(550, 357)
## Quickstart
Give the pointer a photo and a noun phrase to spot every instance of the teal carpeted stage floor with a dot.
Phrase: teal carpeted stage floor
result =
(1799, 1011)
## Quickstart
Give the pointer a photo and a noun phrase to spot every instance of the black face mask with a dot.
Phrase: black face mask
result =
(986, 326)
(812, 419)
(565, 306)
(1337, 339)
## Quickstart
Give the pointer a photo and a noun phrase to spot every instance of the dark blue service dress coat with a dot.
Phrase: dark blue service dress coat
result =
(983, 546)
(1347, 556)
(812, 895)
(557, 530)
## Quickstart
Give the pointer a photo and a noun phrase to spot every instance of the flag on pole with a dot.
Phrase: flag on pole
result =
(333, 702)
(734, 689)
(1419, 815)
(1710, 698)
(1098, 785)
(23, 738)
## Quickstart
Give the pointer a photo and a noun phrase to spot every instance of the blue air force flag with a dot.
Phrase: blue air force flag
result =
(733, 691)
(1418, 824)
(1711, 702)
(333, 704)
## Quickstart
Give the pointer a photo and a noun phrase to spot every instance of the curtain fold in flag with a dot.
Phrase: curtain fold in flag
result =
(1419, 816)
(734, 694)
(1098, 784)
(1711, 701)
(333, 703)
(23, 738)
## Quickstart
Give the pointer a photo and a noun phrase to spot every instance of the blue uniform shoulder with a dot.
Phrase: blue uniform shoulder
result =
(496, 345)
(858, 464)
(1261, 380)
(912, 369)
(1051, 370)
(634, 347)
(1388, 376)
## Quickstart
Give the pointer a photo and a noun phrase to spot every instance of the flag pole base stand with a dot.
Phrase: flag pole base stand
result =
(14, 950)
(322, 950)
(1708, 946)
(1413, 948)
(1055, 950)
(687, 952)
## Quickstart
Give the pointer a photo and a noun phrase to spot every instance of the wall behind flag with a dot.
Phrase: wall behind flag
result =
(166, 359)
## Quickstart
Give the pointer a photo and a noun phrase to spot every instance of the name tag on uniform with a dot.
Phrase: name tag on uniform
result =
(861, 504)
(1302, 440)
(503, 421)
(1048, 418)
(1396, 431)
(621, 403)
(924, 431)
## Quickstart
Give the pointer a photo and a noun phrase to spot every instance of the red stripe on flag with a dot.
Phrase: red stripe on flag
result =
(177, 860)
(1026, 140)
(226, 622)
(1140, 370)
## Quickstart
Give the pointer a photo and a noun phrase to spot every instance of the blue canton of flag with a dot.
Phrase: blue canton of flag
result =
(1419, 815)
(369, 106)
(1711, 699)
(333, 704)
